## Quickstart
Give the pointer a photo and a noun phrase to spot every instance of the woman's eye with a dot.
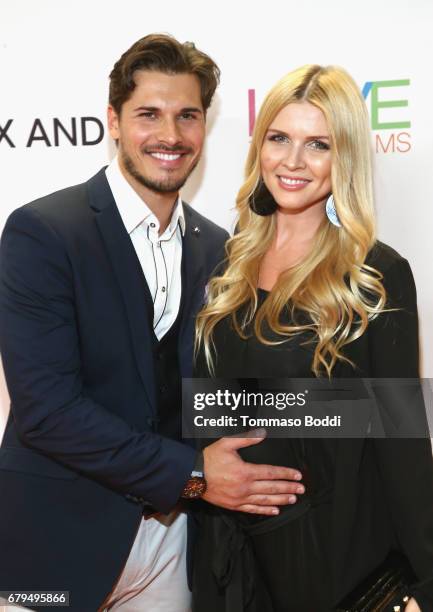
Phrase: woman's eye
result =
(319, 145)
(278, 138)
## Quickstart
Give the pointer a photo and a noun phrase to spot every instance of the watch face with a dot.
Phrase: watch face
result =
(194, 488)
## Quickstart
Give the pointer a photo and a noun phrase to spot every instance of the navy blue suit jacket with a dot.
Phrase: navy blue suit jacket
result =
(80, 461)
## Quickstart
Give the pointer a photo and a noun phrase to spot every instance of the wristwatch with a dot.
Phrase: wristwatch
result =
(196, 485)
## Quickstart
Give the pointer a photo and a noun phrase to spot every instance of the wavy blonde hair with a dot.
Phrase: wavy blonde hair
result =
(332, 284)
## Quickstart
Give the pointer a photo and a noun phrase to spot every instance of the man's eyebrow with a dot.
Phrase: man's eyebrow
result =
(191, 109)
(309, 137)
(152, 109)
(155, 109)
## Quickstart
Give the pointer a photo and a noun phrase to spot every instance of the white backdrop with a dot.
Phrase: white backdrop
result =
(54, 63)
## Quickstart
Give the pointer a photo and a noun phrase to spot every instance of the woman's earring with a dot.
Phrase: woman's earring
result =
(331, 213)
(261, 201)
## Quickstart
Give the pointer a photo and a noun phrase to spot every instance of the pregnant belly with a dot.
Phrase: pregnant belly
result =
(276, 451)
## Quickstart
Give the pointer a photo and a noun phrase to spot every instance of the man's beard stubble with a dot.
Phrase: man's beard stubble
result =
(168, 185)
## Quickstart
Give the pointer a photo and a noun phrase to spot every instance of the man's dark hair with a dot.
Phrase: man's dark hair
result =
(162, 53)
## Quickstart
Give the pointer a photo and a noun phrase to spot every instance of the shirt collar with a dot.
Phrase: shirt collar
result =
(133, 210)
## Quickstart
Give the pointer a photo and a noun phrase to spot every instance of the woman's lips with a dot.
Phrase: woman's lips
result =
(292, 184)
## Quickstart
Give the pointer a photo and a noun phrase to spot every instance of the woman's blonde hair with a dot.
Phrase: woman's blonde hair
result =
(332, 284)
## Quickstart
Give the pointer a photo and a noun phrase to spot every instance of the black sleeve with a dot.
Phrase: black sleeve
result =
(405, 465)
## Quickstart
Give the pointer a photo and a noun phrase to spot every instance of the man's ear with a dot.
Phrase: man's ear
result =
(113, 122)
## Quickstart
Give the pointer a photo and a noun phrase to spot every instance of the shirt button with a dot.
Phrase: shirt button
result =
(163, 289)
(152, 225)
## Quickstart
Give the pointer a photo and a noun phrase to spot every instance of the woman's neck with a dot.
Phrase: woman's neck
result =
(293, 228)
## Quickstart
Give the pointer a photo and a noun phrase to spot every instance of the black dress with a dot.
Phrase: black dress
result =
(247, 563)
(271, 542)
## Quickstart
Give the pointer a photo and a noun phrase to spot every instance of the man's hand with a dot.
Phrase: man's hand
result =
(246, 487)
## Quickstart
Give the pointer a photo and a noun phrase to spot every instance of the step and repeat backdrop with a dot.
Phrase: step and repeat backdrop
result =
(55, 58)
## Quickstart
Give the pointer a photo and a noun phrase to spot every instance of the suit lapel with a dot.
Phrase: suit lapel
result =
(129, 276)
(193, 279)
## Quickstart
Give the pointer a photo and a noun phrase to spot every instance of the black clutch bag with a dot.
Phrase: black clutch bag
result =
(386, 589)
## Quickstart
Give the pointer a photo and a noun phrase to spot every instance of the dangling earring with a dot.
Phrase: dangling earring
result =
(331, 212)
(261, 201)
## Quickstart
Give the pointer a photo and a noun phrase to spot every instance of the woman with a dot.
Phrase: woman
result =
(308, 291)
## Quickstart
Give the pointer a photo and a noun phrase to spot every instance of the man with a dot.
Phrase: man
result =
(100, 284)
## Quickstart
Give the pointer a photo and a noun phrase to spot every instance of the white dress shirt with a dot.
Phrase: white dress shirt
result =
(160, 256)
